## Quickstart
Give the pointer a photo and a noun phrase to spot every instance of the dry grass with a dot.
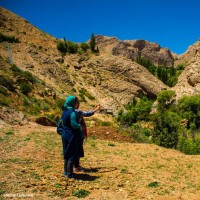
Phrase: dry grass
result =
(31, 164)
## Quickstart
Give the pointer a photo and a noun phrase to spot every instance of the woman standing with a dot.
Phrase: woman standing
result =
(71, 135)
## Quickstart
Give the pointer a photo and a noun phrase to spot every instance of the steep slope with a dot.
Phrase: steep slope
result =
(106, 79)
(189, 80)
(115, 80)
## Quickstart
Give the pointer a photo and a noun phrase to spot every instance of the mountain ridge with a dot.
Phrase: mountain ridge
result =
(110, 78)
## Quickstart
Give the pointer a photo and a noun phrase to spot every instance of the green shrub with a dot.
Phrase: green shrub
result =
(136, 110)
(80, 193)
(73, 90)
(153, 184)
(23, 74)
(140, 134)
(165, 99)
(61, 47)
(44, 106)
(15, 69)
(106, 123)
(82, 97)
(7, 83)
(10, 132)
(189, 146)
(166, 128)
(111, 144)
(189, 108)
(29, 77)
(83, 92)
(25, 87)
(84, 46)
(3, 91)
(137, 133)
(5, 101)
(168, 75)
(180, 67)
(8, 38)
(71, 47)
(67, 47)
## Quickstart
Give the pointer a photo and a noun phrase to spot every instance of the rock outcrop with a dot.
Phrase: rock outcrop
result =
(114, 81)
(189, 80)
(134, 48)
(12, 116)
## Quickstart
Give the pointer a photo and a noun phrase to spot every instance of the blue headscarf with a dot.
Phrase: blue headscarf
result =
(70, 102)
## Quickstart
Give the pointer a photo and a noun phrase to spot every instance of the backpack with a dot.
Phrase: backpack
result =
(60, 126)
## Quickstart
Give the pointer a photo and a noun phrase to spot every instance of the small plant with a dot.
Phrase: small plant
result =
(93, 144)
(73, 90)
(80, 193)
(106, 123)
(3, 91)
(111, 144)
(58, 185)
(25, 87)
(84, 46)
(10, 132)
(1, 139)
(124, 170)
(23, 74)
(153, 184)
(47, 167)
(8, 38)
(35, 175)
(6, 101)
(189, 146)
(60, 102)
(7, 83)
(83, 92)
(27, 139)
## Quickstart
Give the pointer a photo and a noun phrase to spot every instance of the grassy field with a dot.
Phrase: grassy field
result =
(32, 168)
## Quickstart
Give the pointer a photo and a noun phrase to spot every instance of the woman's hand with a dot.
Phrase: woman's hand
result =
(97, 108)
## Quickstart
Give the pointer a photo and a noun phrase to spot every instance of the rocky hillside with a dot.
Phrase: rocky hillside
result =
(110, 78)
(189, 80)
(134, 48)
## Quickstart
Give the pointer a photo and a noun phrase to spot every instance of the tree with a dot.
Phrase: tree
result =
(67, 46)
(165, 99)
(137, 110)
(61, 47)
(189, 108)
(71, 47)
(92, 43)
(166, 127)
(84, 46)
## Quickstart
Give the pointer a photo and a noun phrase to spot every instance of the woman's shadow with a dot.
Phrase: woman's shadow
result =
(87, 177)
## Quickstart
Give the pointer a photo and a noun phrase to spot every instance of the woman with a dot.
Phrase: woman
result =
(71, 135)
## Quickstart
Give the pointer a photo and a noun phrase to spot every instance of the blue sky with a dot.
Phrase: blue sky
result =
(174, 24)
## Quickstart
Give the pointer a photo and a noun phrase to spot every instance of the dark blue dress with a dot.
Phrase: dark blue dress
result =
(70, 138)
